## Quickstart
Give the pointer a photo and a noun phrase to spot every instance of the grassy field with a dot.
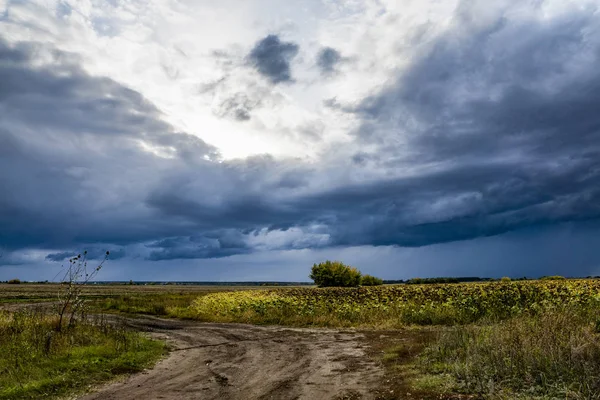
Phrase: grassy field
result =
(40, 362)
(172, 301)
(497, 340)
(28, 292)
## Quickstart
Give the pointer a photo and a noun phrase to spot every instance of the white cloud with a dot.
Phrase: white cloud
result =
(165, 50)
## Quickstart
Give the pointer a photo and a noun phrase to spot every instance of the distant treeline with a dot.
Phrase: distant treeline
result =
(200, 283)
(421, 281)
(413, 281)
(418, 281)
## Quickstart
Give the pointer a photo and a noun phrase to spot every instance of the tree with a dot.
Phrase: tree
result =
(553, 278)
(368, 280)
(335, 273)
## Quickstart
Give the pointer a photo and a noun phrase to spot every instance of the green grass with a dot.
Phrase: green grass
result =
(173, 303)
(159, 304)
(39, 362)
(48, 292)
(553, 354)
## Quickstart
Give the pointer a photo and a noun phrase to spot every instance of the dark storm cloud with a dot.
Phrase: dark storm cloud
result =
(271, 57)
(474, 139)
(514, 131)
(94, 253)
(457, 205)
(327, 60)
(88, 163)
(71, 153)
(61, 256)
(63, 96)
(499, 140)
(216, 245)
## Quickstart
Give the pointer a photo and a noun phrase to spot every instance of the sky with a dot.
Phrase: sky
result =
(246, 140)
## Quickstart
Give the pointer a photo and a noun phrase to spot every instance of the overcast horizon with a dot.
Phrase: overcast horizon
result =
(233, 141)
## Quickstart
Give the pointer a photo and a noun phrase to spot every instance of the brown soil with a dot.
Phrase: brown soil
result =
(235, 361)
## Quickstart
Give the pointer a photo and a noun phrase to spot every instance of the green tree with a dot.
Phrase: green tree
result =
(368, 280)
(335, 273)
(552, 278)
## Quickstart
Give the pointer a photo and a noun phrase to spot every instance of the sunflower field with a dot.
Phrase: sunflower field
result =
(399, 305)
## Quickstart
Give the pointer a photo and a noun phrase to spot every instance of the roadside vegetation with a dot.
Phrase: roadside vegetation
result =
(58, 348)
(39, 361)
(551, 354)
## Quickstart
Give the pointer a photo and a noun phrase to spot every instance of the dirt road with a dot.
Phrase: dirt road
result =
(234, 361)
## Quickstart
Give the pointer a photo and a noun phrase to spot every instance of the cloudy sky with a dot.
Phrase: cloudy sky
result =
(246, 140)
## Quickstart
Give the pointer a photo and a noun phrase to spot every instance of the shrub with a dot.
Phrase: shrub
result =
(424, 281)
(368, 280)
(335, 273)
(14, 281)
(552, 278)
(505, 279)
